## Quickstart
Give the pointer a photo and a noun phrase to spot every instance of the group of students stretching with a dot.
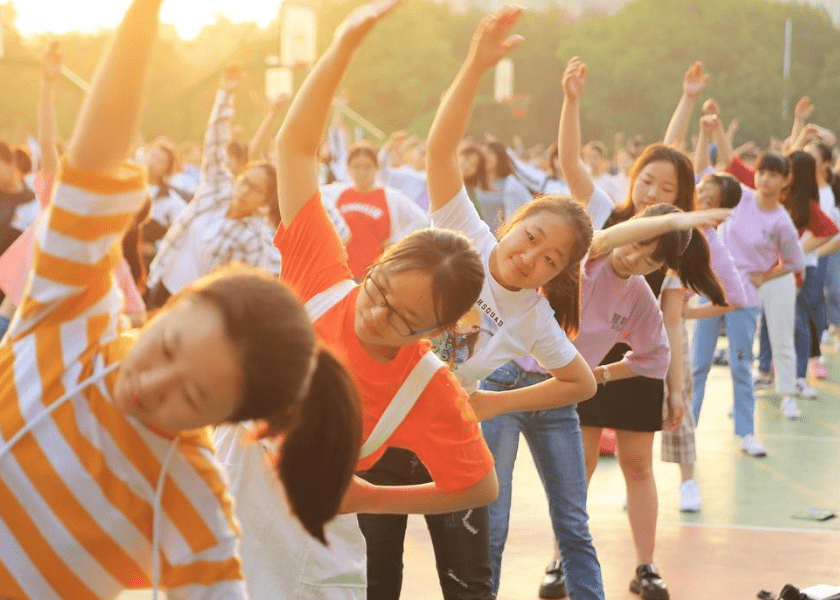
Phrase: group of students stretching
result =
(267, 438)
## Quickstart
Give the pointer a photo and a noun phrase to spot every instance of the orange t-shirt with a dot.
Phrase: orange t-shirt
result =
(441, 427)
(369, 221)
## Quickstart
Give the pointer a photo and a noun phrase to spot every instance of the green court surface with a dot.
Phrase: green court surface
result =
(744, 539)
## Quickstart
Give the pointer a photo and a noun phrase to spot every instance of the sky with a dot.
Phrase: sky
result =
(188, 16)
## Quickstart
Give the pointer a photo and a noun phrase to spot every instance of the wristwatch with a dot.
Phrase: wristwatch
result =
(605, 374)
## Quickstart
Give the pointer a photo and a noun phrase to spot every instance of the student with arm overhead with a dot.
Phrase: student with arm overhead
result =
(422, 284)
(108, 479)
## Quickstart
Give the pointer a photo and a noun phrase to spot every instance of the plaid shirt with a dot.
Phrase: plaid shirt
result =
(219, 240)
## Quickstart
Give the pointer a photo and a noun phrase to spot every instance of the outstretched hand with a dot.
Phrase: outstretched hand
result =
(492, 41)
(709, 123)
(803, 109)
(701, 219)
(232, 78)
(675, 408)
(711, 107)
(574, 78)
(52, 63)
(694, 80)
(360, 21)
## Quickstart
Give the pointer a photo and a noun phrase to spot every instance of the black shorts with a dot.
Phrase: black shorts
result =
(633, 404)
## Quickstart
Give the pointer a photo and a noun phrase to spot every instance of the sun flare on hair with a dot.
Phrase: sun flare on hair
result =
(188, 16)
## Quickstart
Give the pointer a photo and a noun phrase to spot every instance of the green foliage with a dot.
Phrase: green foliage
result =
(635, 59)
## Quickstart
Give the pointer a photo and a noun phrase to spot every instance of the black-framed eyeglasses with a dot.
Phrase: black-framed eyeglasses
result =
(395, 319)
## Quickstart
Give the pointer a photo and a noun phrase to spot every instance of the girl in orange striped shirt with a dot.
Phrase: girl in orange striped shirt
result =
(107, 475)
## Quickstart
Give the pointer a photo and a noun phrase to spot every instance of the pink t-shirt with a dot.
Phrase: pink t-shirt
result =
(617, 310)
(16, 261)
(758, 239)
(724, 268)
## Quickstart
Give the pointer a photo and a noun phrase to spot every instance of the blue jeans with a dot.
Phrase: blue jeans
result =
(810, 305)
(554, 439)
(740, 329)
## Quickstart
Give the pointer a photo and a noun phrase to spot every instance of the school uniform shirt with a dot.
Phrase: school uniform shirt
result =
(78, 489)
(441, 427)
(820, 226)
(503, 324)
(615, 310)
(758, 239)
(599, 207)
(406, 179)
(503, 198)
(203, 238)
(376, 220)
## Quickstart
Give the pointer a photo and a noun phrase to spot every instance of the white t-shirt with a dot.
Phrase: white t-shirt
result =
(165, 209)
(503, 324)
(600, 208)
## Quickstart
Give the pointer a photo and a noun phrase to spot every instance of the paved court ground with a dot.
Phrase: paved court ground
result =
(744, 539)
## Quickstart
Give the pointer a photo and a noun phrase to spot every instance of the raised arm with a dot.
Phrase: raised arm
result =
(300, 135)
(723, 143)
(568, 135)
(694, 82)
(801, 111)
(647, 228)
(47, 120)
(218, 132)
(701, 151)
(110, 115)
(258, 140)
(490, 43)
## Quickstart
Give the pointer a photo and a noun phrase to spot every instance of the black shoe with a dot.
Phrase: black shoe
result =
(648, 584)
(553, 584)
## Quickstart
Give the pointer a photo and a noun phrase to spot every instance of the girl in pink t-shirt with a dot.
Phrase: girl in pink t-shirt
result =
(661, 174)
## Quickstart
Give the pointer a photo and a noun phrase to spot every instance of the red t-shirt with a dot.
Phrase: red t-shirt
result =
(369, 221)
(441, 427)
(821, 224)
(742, 172)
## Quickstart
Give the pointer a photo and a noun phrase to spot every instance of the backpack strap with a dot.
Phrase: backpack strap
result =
(322, 302)
(402, 403)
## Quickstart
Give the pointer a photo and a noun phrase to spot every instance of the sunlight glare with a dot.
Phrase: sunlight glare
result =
(188, 16)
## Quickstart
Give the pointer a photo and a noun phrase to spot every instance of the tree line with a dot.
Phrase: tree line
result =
(636, 59)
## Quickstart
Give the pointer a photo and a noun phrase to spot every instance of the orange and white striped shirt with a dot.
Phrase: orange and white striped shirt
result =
(82, 486)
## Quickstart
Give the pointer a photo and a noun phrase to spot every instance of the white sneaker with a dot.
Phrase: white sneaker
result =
(689, 496)
(790, 409)
(752, 446)
(826, 340)
(804, 390)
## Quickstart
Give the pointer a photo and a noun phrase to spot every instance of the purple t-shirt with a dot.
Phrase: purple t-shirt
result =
(724, 268)
(758, 239)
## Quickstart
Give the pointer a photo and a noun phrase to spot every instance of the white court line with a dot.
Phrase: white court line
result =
(751, 527)
(793, 436)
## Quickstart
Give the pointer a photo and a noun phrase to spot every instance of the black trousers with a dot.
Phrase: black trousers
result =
(460, 539)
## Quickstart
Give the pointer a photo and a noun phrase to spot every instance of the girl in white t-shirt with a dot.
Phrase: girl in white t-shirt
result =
(510, 318)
